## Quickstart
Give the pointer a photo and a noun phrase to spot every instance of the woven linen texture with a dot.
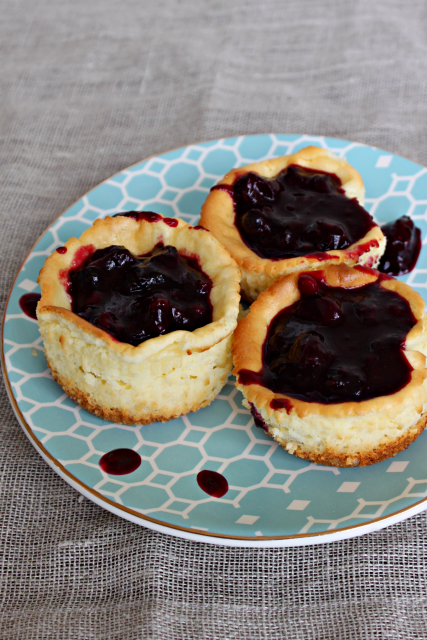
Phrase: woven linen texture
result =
(87, 89)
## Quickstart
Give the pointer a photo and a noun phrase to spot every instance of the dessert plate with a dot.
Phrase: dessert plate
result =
(274, 499)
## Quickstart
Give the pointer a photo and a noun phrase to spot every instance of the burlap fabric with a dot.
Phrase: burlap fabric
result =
(89, 87)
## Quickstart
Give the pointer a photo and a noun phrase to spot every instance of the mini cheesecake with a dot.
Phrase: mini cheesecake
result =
(298, 212)
(332, 365)
(137, 317)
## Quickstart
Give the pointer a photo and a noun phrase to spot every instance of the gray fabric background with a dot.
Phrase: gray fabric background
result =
(87, 88)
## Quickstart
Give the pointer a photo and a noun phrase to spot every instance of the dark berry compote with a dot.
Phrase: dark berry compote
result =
(135, 298)
(299, 212)
(403, 247)
(336, 344)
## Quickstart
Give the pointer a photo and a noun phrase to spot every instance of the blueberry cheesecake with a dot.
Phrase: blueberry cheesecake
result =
(137, 317)
(289, 214)
(332, 364)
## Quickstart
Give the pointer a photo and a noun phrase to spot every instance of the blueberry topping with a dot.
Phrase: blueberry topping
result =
(336, 344)
(135, 298)
(300, 212)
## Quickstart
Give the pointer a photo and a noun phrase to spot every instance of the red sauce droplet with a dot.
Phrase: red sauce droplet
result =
(172, 222)
(82, 254)
(148, 216)
(355, 254)
(258, 419)
(120, 462)
(368, 270)
(321, 256)
(281, 403)
(28, 303)
(199, 226)
(61, 250)
(212, 483)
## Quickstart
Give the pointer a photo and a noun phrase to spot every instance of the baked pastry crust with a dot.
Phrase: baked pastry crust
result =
(161, 378)
(259, 273)
(342, 434)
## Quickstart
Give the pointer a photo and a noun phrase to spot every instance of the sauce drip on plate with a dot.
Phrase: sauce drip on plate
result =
(28, 303)
(120, 462)
(212, 483)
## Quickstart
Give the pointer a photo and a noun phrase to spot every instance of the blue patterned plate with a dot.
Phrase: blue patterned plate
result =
(274, 499)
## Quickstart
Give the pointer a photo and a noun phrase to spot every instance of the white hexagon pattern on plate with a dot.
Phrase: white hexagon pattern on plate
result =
(271, 493)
